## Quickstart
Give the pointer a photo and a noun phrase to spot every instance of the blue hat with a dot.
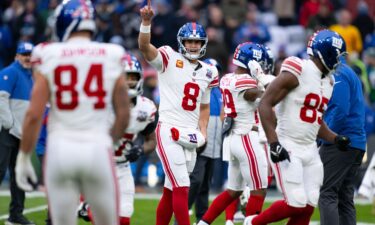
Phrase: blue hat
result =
(24, 48)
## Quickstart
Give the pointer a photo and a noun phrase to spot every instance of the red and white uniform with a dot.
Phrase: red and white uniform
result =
(299, 117)
(183, 86)
(247, 158)
(141, 115)
(81, 76)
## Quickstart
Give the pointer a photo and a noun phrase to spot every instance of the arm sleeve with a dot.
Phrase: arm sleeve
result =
(206, 96)
(160, 63)
(340, 103)
(149, 128)
(7, 81)
(292, 65)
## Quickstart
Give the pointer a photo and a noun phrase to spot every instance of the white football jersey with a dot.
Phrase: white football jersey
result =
(183, 86)
(81, 76)
(141, 115)
(233, 87)
(299, 114)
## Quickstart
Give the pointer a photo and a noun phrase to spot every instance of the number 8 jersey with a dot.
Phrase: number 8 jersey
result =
(81, 75)
(183, 87)
(299, 114)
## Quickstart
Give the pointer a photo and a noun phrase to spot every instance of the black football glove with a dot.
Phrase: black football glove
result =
(202, 148)
(278, 152)
(133, 153)
(342, 142)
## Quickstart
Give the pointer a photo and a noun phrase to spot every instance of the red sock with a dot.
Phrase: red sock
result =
(164, 211)
(279, 210)
(302, 218)
(231, 210)
(220, 203)
(124, 220)
(180, 205)
(254, 205)
(269, 180)
(89, 214)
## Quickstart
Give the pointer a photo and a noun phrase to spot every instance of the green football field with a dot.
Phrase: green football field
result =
(145, 212)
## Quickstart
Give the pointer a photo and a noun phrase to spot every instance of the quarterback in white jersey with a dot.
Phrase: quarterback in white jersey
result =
(248, 160)
(141, 126)
(84, 82)
(301, 93)
(184, 85)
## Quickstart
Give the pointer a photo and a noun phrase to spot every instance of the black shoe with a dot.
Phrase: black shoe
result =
(18, 220)
(83, 211)
(48, 222)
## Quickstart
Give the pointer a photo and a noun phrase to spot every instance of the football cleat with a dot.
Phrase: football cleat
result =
(83, 211)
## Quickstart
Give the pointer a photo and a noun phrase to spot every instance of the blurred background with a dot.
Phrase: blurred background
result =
(283, 25)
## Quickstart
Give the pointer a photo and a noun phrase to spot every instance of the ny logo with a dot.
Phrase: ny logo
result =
(193, 138)
(337, 42)
(257, 54)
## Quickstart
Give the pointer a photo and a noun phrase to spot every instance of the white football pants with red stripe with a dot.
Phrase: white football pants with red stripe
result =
(301, 178)
(247, 162)
(177, 162)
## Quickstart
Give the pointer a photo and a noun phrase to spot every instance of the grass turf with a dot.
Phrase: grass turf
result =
(144, 213)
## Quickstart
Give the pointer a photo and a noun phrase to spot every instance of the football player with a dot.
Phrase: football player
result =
(84, 82)
(300, 92)
(184, 85)
(247, 159)
(267, 65)
(142, 125)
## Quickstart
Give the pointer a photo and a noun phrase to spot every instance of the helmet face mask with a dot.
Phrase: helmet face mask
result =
(328, 47)
(269, 63)
(73, 15)
(192, 31)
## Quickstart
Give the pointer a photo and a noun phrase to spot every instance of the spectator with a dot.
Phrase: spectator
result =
(345, 115)
(216, 48)
(363, 20)
(323, 19)
(349, 32)
(6, 42)
(284, 10)
(15, 90)
(309, 9)
(370, 67)
(252, 29)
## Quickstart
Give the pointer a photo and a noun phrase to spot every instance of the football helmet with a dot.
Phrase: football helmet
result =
(213, 62)
(192, 31)
(328, 47)
(73, 15)
(248, 51)
(269, 62)
(132, 66)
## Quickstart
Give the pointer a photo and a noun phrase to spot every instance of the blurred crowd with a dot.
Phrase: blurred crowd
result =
(283, 25)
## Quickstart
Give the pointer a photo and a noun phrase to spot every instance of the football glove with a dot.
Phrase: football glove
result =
(25, 173)
(133, 153)
(342, 142)
(188, 138)
(278, 152)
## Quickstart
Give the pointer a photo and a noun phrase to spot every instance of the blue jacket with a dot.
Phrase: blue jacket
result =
(215, 102)
(15, 91)
(345, 114)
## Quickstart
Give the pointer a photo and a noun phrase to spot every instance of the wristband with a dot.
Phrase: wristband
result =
(145, 29)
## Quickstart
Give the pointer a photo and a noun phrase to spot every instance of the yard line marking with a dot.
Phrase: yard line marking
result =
(27, 211)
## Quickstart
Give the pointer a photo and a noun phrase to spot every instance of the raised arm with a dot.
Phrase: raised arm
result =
(148, 50)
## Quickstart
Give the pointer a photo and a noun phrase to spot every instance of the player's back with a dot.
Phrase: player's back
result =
(233, 87)
(299, 114)
(81, 75)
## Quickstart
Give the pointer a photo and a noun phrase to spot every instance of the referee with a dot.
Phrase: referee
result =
(345, 115)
